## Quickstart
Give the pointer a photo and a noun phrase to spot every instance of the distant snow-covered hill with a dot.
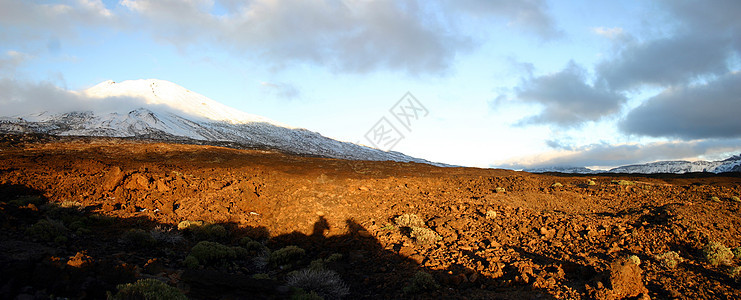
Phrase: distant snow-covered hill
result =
(171, 112)
(571, 170)
(731, 164)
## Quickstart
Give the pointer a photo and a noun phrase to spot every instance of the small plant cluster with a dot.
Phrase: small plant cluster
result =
(49, 230)
(207, 253)
(286, 255)
(499, 190)
(669, 259)
(557, 185)
(623, 182)
(421, 282)
(317, 284)
(63, 220)
(138, 238)
(418, 230)
(321, 264)
(635, 259)
(717, 254)
(150, 289)
(591, 182)
(202, 231)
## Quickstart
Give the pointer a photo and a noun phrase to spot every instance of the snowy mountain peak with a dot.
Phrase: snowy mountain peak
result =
(163, 110)
(174, 97)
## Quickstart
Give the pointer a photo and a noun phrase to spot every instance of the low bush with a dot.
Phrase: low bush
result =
(557, 184)
(149, 289)
(421, 282)
(48, 230)
(500, 190)
(208, 232)
(409, 220)
(736, 274)
(736, 252)
(623, 182)
(138, 238)
(325, 283)
(717, 254)
(424, 236)
(208, 253)
(286, 255)
(669, 259)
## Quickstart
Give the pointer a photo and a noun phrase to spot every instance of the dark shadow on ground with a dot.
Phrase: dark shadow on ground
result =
(78, 253)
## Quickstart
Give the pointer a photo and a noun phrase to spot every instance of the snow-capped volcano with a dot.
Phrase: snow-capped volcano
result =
(168, 111)
(167, 94)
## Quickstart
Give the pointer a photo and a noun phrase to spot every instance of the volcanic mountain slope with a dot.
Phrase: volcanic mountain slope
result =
(368, 230)
(172, 113)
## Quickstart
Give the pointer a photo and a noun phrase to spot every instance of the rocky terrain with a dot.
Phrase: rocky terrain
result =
(82, 217)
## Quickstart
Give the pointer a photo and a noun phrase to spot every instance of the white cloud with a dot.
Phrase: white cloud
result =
(346, 36)
(611, 33)
(281, 90)
(528, 15)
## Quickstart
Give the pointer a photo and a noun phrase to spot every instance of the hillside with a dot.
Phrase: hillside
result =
(161, 110)
(115, 206)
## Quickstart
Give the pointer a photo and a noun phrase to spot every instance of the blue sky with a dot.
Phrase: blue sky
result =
(512, 84)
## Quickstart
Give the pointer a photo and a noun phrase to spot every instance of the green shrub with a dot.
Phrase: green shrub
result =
(208, 232)
(333, 258)
(325, 283)
(591, 182)
(191, 262)
(409, 220)
(300, 294)
(424, 236)
(736, 252)
(209, 253)
(320, 264)
(421, 282)
(388, 227)
(557, 184)
(736, 198)
(48, 230)
(669, 260)
(500, 190)
(717, 254)
(26, 200)
(715, 199)
(185, 224)
(138, 238)
(623, 182)
(736, 274)
(149, 289)
(286, 255)
(635, 259)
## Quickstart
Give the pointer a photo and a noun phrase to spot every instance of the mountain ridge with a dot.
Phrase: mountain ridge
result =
(174, 114)
(731, 164)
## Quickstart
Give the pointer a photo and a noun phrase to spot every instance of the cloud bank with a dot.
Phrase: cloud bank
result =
(611, 155)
